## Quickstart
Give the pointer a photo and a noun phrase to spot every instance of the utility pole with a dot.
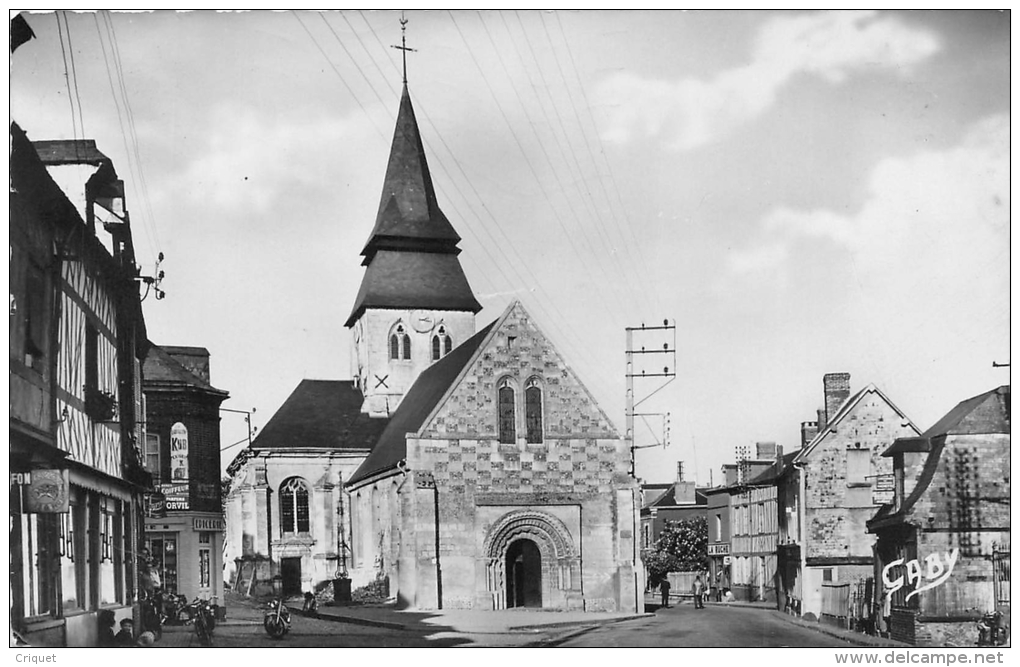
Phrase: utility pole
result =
(662, 333)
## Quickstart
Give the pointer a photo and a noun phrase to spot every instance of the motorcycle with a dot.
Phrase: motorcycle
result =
(277, 619)
(992, 631)
(175, 609)
(203, 616)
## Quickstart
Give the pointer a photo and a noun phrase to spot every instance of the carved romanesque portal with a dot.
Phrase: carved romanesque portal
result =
(531, 562)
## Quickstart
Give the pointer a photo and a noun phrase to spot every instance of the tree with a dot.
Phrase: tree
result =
(682, 546)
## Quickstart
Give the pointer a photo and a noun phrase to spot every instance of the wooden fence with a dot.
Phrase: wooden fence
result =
(850, 604)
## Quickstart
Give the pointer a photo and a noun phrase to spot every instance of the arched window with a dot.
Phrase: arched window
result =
(441, 344)
(507, 412)
(400, 343)
(294, 506)
(533, 410)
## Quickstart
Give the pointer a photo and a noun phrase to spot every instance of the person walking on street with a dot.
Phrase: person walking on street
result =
(699, 593)
(664, 588)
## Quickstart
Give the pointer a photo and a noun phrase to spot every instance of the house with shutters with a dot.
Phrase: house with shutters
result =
(948, 519)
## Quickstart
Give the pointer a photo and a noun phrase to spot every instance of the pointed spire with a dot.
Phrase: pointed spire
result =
(409, 216)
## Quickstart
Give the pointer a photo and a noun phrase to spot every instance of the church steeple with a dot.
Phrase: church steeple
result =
(411, 255)
(409, 216)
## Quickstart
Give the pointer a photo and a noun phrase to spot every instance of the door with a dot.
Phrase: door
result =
(524, 574)
(290, 570)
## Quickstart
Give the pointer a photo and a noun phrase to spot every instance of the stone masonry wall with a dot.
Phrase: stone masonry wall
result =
(837, 512)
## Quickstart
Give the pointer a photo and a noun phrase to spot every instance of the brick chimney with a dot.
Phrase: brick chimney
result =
(837, 390)
(729, 471)
(767, 451)
(808, 431)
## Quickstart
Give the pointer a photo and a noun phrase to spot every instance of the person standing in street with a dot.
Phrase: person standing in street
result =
(699, 593)
(664, 589)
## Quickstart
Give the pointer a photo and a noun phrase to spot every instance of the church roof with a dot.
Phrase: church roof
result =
(321, 414)
(411, 255)
(408, 210)
(416, 406)
(414, 280)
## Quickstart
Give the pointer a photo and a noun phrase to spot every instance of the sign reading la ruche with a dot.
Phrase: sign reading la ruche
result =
(719, 549)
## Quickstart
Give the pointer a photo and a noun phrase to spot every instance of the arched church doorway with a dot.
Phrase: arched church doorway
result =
(524, 574)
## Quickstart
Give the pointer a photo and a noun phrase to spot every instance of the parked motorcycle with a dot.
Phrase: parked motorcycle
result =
(277, 619)
(175, 609)
(992, 630)
(203, 616)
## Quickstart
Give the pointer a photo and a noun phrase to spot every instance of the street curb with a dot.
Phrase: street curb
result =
(586, 628)
(570, 624)
(353, 620)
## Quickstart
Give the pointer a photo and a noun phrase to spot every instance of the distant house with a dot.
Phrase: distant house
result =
(678, 501)
(837, 487)
(184, 527)
(951, 507)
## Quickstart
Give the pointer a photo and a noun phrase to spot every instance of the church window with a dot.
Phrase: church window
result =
(400, 343)
(533, 410)
(442, 344)
(294, 506)
(507, 412)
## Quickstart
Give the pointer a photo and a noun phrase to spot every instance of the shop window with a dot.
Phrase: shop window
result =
(507, 412)
(533, 411)
(163, 552)
(204, 568)
(294, 506)
(38, 535)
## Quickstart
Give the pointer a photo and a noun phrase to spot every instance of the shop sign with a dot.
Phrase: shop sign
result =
(719, 549)
(47, 491)
(208, 524)
(179, 452)
(884, 489)
(177, 496)
(155, 505)
(934, 572)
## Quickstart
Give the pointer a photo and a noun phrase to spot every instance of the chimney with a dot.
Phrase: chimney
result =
(837, 390)
(729, 471)
(808, 431)
(684, 493)
(679, 471)
(767, 451)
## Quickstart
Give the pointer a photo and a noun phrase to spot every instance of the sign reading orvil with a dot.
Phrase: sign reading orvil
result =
(936, 571)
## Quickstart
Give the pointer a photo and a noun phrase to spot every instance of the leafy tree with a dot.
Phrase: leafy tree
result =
(658, 564)
(686, 542)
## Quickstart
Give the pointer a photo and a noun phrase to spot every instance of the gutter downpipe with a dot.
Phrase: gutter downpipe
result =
(802, 521)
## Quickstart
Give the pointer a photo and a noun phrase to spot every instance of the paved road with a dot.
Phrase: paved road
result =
(713, 626)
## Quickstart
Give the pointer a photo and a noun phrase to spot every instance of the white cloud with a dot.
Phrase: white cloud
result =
(694, 112)
(766, 257)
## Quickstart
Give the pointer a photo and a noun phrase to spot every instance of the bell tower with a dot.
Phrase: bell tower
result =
(415, 304)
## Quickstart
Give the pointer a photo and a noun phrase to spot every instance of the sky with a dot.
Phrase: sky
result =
(798, 192)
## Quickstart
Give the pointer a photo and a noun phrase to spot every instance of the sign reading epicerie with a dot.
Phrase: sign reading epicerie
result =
(936, 571)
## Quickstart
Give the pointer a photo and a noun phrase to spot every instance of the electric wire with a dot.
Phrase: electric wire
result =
(74, 74)
(538, 289)
(67, 82)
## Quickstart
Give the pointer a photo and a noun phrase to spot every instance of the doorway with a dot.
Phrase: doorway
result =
(524, 574)
(290, 571)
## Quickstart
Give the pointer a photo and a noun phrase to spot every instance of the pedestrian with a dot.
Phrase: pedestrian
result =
(126, 636)
(664, 589)
(106, 623)
(699, 593)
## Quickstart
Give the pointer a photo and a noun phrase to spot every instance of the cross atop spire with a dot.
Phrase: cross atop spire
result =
(403, 44)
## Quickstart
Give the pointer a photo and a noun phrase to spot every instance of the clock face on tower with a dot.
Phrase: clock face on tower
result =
(422, 322)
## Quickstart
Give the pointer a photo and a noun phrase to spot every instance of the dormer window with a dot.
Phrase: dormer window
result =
(400, 343)
(442, 344)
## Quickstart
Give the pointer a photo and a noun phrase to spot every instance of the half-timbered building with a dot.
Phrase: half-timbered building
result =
(77, 339)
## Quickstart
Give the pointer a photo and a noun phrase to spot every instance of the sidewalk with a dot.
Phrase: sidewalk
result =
(469, 622)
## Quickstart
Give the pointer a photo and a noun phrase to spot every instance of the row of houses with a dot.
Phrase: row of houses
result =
(114, 441)
(870, 523)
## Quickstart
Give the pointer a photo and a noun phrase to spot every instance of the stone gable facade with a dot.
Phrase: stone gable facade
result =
(569, 497)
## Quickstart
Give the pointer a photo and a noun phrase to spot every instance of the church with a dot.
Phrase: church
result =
(467, 468)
